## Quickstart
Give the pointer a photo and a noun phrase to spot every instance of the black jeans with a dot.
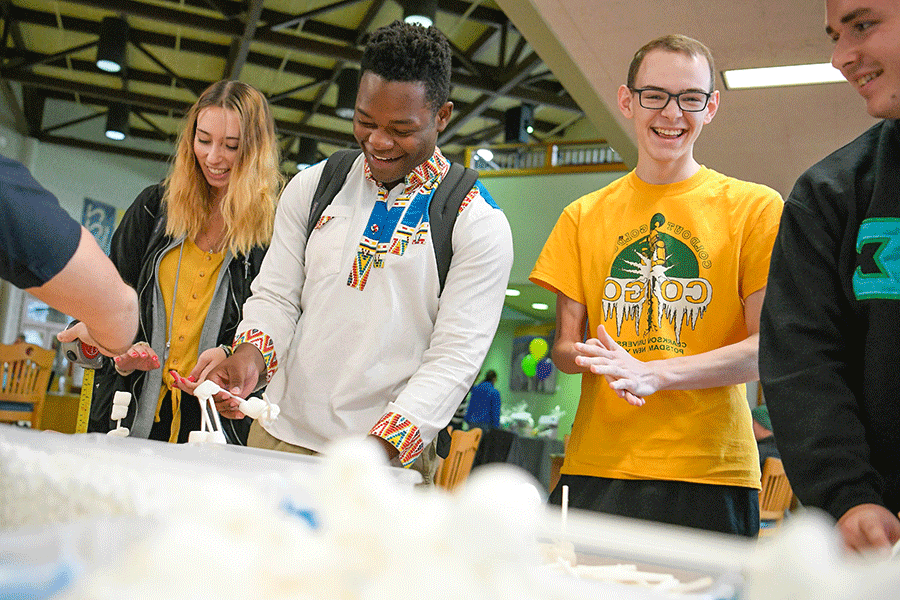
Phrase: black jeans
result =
(722, 508)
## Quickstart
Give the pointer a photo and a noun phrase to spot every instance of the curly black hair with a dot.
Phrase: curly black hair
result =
(404, 52)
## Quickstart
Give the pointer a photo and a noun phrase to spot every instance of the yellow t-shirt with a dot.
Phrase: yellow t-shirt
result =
(665, 269)
(196, 277)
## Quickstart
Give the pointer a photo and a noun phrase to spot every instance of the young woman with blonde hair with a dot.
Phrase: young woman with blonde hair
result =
(191, 246)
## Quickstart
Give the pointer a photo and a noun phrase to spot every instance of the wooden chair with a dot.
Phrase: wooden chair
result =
(25, 372)
(774, 498)
(458, 464)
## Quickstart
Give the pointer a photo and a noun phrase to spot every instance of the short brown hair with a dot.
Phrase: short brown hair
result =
(673, 43)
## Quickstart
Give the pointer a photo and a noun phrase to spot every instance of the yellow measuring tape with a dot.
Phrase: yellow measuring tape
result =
(84, 403)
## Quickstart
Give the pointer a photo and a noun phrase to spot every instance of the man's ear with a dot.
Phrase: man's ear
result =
(442, 118)
(625, 99)
(712, 107)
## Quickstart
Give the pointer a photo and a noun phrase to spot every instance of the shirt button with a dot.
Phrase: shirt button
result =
(194, 296)
(201, 273)
(208, 257)
(180, 338)
(187, 317)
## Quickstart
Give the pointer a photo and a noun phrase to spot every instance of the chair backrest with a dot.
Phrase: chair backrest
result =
(25, 371)
(458, 464)
(775, 496)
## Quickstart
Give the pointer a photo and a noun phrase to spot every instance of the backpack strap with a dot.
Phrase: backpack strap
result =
(330, 183)
(442, 212)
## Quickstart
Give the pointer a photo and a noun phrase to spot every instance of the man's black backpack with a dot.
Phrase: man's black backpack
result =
(442, 213)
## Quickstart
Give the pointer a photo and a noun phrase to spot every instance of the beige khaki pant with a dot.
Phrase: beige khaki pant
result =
(427, 463)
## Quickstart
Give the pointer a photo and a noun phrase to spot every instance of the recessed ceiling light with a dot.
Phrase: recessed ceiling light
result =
(781, 76)
(539, 306)
(512, 292)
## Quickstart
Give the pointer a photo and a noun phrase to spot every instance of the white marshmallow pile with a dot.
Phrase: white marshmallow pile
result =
(121, 400)
(38, 487)
(377, 539)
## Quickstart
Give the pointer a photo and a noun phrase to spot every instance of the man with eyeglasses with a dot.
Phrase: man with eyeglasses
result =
(830, 329)
(667, 266)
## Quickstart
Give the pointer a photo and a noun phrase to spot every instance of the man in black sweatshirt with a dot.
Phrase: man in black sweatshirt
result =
(830, 328)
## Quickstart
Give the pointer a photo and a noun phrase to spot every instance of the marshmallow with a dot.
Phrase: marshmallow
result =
(207, 390)
(119, 411)
(121, 399)
(216, 437)
(198, 437)
(252, 407)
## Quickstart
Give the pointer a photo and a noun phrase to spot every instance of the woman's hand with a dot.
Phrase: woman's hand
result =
(206, 362)
(140, 357)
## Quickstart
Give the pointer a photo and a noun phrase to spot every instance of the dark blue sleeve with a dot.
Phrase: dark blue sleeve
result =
(495, 408)
(37, 237)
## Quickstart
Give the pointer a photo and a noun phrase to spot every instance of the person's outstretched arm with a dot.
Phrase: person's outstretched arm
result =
(89, 288)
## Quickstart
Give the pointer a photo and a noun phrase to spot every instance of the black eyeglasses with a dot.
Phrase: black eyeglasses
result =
(654, 99)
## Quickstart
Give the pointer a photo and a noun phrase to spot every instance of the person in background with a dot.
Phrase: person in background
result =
(407, 351)
(830, 332)
(48, 254)
(484, 404)
(191, 246)
(762, 431)
(668, 267)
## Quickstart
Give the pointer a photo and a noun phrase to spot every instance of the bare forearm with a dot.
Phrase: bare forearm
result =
(89, 288)
(116, 327)
(563, 354)
(729, 365)
(571, 317)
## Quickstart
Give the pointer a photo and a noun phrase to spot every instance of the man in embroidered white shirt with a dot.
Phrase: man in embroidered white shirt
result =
(350, 328)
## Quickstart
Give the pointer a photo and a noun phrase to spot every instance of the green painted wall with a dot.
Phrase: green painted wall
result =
(533, 204)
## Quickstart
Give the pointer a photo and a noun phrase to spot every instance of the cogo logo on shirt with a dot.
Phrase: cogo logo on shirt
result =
(656, 276)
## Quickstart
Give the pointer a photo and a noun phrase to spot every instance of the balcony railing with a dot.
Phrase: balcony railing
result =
(542, 159)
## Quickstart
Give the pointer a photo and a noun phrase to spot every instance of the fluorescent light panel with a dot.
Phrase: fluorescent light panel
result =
(738, 79)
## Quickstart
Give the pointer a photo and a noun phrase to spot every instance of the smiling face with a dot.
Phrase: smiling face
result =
(216, 144)
(866, 35)
(666, 137)
(395, 127)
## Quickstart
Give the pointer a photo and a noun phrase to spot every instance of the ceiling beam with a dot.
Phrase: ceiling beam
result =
(71, 122)
(23, 63)
(100, 147)
(303, 17)
(189, 85)
(334, 51)
(33, 108)
(21, 123)
(475, 109)
(241, 47)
